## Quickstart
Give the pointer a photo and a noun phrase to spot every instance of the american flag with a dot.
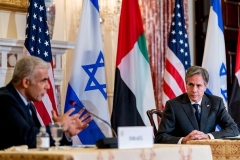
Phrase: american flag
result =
(177, 59)
(37, 43)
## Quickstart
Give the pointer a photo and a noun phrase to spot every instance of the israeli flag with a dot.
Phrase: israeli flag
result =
(87, 85)
(214, 59)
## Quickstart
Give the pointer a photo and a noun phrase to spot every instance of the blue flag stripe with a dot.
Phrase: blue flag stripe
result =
(92, 133)
(87, 85)
(95, 3)
(217, 8)
(215, 48)
(37, 39)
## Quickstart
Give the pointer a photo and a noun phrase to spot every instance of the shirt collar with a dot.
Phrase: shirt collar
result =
(23, 98)
(199, 103)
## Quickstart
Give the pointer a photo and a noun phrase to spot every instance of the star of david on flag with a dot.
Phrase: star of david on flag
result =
(91, 70)
(215, 49)
(87, 84)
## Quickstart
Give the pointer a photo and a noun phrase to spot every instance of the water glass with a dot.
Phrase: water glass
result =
(57, 133)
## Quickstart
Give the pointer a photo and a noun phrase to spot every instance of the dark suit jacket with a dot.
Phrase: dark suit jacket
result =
(179, 119)
(18, 127)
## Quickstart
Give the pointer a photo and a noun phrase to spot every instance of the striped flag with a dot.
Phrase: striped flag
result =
(177, 59)
(37, 43)
(214, 58)
(234, 102)
(87, 85)
(133, 91)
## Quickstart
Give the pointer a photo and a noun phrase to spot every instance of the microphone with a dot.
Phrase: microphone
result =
(73, 103)
(105, 142)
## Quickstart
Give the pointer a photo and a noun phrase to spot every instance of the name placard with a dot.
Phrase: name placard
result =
(135, 137)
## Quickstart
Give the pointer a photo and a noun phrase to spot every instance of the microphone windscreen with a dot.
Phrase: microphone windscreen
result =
(73, 103)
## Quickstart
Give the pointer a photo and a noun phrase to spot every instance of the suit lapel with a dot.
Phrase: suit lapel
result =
(187, 107)
(34, 115)
(21, 105)
(24, 109)
(205, 108)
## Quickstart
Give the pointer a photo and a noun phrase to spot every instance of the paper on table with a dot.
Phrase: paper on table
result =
(233, 138)
(17, 148)
(53, 148)
(84, 146)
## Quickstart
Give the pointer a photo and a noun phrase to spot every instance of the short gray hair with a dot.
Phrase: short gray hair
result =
(25, 67)
(197, 70)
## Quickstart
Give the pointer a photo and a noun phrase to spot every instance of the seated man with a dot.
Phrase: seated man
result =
(181, 122)
(19, 125)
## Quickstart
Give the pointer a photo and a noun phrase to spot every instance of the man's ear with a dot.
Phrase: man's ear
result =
(25, 82)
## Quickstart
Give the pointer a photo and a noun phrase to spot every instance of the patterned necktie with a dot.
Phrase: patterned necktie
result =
(197, 113)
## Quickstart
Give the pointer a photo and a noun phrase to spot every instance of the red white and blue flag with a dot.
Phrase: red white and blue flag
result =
(37, 43)
(177, 59)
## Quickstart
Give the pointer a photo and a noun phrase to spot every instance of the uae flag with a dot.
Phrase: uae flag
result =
(133, 91)
(234, 103)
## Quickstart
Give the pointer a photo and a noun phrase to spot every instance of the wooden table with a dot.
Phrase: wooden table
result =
(158, 152)
(221, 149)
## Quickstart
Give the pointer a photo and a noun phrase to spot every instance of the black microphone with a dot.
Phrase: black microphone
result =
(73, 103)
(105, 142)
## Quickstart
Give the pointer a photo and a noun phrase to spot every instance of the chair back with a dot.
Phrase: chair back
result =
(151, 114)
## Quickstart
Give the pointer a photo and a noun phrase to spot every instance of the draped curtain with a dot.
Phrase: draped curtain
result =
(157, 18)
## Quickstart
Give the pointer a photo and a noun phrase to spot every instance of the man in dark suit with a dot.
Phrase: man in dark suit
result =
(18, 120)
(182, 122)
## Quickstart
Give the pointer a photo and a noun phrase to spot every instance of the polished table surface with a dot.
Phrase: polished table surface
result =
(158, 152)
(221, 149)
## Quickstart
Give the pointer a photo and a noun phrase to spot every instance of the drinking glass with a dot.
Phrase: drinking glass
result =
(57, 133)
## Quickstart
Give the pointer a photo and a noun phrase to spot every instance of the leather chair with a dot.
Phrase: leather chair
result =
(151, 114)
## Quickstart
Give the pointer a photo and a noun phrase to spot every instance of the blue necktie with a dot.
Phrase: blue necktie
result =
(29, 108)
(33, 114)
(197, 113)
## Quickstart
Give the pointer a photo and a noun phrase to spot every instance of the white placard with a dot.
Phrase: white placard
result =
(135, 137)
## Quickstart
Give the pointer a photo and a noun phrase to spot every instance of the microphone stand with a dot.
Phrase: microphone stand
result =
(114, 133)
(105, 142)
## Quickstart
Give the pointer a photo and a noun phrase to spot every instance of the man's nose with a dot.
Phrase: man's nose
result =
(195, 88)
